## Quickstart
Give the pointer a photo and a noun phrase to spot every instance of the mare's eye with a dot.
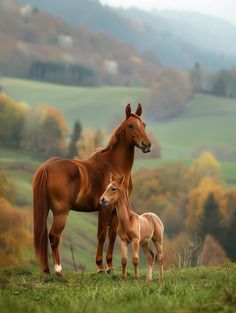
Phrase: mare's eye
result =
(144, 124)
(113, 189)
(130, 125)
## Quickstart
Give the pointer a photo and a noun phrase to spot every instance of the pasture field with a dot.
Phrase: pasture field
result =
(194, 290)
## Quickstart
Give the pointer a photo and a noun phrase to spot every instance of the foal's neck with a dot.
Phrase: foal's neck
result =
(123, 208)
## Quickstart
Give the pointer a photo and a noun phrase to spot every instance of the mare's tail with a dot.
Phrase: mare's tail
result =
(40, 214)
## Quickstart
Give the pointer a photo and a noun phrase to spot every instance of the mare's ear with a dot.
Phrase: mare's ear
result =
(139, 110)
(120, 179)
(128, 110)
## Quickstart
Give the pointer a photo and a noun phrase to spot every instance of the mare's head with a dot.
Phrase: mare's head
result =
(113, 190)
(135, 129)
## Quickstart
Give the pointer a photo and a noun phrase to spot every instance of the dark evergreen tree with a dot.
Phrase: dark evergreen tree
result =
(229, 240)
(75, 136)
(210, 223)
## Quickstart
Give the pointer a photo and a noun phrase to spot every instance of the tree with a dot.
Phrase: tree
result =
(12, 115)
(15, 234)
(169, 95)
(45, 132)
(210, 220)
(75, 136)
(229, 233)
(7, 187)
(197, 200)
(205, 166)
(88, 142)
(196, 77)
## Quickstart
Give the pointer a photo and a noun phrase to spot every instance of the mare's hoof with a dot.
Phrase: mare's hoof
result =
(101, 271)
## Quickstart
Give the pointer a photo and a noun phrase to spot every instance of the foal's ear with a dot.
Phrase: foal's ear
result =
(128, 110)
(112, 177)
(139, 110)
(120, 179)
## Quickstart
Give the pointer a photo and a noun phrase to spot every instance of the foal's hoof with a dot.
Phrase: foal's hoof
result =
(59, 274)
(110, 270)
(101, 271)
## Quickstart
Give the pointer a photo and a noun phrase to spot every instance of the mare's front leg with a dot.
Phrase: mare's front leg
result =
(113, 223)
(135, 247)
(124, 258)
(103, 219)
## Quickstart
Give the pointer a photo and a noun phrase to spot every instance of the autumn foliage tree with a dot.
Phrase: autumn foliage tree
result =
(88, 142)
(169, 95)
(15, 235)
(12, 115)
(45, 132)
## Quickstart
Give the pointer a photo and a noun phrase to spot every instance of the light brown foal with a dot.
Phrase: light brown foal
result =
(135, 229)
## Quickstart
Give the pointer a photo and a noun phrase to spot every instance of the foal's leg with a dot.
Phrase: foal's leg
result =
(112, 237)
(160, 257)
(124, 258)
(150, 261)
(103, 219)
(58, 224)
(135, 247)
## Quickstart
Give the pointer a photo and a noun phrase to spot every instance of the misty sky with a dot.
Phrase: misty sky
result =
(222, 8)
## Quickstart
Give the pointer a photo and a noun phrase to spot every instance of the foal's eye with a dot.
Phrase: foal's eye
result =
(113, 189)
(130, 125)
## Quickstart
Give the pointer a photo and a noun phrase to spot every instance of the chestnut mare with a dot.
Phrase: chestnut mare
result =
(63, 185)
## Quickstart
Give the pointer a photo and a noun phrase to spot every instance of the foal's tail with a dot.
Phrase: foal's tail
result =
(40, 213)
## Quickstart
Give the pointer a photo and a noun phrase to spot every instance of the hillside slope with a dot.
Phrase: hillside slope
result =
(176, 39)
(41, 36)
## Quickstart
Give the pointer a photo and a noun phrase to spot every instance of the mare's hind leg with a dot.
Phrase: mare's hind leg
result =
(59, 221)
(160, 257)
(150, 260)
(103, 219)
(113, 223)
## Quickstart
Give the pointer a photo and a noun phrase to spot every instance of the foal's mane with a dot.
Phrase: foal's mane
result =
(116, 134)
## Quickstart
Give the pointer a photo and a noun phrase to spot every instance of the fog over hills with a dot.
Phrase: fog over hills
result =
(175, 38)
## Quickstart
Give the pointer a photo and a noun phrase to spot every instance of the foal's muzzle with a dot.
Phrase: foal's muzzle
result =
(103, 201)
(145, 147)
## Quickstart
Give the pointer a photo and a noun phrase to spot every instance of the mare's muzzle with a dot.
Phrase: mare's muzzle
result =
(145, 147)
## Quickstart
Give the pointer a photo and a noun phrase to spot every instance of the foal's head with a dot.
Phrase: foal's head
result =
(113, 190)
(135, 129)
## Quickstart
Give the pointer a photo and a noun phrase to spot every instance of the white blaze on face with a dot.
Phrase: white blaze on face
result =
(58, 268)
(110, 185)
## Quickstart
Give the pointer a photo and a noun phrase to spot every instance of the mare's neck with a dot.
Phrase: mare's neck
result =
(123, 154)
(124, 210)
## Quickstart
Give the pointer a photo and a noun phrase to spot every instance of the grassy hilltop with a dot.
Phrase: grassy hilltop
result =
(189, 290)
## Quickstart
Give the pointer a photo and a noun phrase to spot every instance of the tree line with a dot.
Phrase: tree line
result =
(191, 201)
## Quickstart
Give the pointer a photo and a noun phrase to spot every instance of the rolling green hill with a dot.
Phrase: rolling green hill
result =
(209, 122)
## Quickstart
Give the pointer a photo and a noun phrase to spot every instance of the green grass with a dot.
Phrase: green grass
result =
(193, 290)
